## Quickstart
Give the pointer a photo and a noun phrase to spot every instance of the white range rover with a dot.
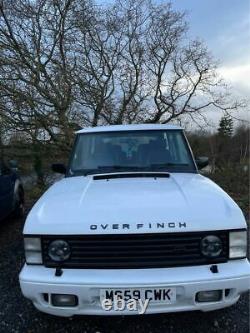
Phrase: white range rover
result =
(134, 220)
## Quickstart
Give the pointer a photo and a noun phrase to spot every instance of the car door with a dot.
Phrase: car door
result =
(6, 190)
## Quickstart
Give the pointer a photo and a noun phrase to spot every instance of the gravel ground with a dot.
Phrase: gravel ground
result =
(18, 314)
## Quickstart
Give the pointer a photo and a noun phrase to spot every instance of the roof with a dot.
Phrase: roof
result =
(135, 127)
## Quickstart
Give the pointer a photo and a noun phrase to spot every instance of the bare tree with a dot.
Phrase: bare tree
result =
(65, 63)
(137, 65)
(184, 78)
(36, 66)
(132, 74)
(98, 48)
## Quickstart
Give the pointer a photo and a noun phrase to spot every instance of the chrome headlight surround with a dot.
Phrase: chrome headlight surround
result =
(237, 244)
(59, 250)
(33, 250)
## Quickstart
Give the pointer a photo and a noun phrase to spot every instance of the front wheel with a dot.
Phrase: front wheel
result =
(19, 203)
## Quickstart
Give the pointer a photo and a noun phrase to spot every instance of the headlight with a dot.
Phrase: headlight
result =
(237, 244)
(211, 246)
(33, 250)
(59, 250)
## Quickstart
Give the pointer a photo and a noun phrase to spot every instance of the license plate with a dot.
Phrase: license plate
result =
(156, 295)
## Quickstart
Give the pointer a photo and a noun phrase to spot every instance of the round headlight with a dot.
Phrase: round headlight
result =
(59, 250)
(211, 246)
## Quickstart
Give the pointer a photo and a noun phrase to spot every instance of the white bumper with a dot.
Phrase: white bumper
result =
(86, 284)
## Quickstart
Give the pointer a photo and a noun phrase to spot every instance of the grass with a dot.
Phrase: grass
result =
(236, 183)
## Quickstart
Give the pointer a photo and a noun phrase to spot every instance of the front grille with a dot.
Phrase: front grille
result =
(135, 250)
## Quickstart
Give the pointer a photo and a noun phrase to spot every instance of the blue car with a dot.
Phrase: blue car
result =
(11, 192)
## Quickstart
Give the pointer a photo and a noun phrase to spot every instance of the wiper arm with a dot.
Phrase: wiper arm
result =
(165, 165)
(114, 168)
(117, 167)
(109, 168)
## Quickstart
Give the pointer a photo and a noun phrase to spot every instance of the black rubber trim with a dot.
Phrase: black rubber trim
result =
(132, 175)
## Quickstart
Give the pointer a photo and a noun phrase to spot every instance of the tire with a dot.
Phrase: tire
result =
(19, 203)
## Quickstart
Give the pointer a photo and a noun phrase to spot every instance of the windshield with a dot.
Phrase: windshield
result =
(155, 150)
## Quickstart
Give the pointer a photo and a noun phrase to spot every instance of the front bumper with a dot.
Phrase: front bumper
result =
(36, 281)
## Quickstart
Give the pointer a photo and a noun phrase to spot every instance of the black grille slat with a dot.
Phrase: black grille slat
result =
(123, 257)
(135, 250)
(129, 248)
(131, 253)
(91, 240)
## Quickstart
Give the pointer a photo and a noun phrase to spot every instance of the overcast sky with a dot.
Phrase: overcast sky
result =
(224, 25)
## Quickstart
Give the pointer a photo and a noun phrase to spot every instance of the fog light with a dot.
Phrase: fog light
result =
(64, 300)
(209, 296)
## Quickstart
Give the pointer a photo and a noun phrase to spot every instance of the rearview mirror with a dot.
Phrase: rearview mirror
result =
(202, 162)
(59, 168)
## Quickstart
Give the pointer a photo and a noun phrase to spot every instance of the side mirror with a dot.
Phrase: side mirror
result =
(59, 168)
(202, 162)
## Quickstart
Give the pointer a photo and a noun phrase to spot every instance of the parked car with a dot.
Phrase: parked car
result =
(134, 222)
(11, 192)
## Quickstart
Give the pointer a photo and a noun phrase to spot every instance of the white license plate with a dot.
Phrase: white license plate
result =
(156, 295)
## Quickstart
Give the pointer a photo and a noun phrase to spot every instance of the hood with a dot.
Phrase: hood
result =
(182, 202)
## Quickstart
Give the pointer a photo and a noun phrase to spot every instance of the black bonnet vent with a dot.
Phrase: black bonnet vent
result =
(133, 175)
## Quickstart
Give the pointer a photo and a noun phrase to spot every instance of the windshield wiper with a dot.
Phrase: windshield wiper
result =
(117, 167)
(123, 168)
(110, 169)
(161, 166)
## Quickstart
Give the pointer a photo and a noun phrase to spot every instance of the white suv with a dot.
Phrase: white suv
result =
(133, 220)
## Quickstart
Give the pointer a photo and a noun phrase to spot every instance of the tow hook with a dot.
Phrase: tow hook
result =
(59, 272)
(214, 269)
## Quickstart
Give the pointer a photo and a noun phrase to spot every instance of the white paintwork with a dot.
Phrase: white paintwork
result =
(86, 284)
(134, 127)
(72, 205)
(182, 202)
